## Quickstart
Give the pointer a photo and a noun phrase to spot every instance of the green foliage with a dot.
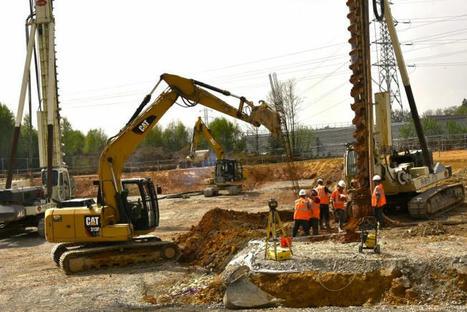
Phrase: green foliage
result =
(7, 125)
(462, 110)
(28, 142)
(430, 127)
(94, 142)
(304, 139)
(73, 140)
(228, 134)
(154, 138)
(175, 137)
(453, 127)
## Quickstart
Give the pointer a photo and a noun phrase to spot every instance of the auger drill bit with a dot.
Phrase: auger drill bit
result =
(361, 94)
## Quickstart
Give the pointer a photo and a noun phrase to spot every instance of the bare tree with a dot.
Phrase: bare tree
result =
(290, 102)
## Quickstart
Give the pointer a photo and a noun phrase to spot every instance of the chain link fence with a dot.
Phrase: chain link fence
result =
(80, 165)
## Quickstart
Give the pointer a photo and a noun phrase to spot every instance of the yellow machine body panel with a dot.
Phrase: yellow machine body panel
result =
(82, 225)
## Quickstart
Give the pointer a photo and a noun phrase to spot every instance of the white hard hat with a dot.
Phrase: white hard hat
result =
(376, 178)
(341, 183)
(302, 192)
(320, 180)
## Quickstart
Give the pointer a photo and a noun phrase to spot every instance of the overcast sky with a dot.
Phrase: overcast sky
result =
(110, 53)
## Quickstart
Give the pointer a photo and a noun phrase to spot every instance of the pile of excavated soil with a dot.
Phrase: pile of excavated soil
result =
(330, 170)
(220, 234)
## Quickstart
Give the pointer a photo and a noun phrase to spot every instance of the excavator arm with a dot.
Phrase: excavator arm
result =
(200, 128)
(120, 146)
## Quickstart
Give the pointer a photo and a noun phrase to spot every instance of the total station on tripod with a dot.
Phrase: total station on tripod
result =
(272, 204)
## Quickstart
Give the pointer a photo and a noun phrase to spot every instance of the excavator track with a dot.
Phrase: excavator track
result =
(361, 94)
(436, 201)
(117, 255)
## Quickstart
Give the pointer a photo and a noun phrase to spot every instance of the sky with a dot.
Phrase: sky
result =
(110, 53)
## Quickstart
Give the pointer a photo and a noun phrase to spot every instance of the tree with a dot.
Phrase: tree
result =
(400, 115)
(94, 141)
(154, 138)
(73, 140)
(228, 134)
(430, 127)
(7, 125)
(28, 144)
(305, 139)
(462, 109)
(287, 103)
(453, 127)
(175, 137)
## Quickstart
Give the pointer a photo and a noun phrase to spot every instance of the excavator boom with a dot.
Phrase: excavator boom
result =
(111, 232)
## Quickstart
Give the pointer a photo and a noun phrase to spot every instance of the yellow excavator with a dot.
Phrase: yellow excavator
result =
(408, 176)
(114, 230)
(228, 173)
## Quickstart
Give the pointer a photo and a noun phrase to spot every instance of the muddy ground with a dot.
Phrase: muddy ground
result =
(30, 281)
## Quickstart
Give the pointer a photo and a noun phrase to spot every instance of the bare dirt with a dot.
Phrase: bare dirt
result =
(32, 282)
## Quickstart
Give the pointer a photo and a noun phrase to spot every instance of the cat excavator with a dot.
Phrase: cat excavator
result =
(228, 173)
(114, 230)
(409, 176)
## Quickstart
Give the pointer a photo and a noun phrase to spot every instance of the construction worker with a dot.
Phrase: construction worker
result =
(302, 214)
(339, 198)
(323, 193)
(315, 211)
(378, 200)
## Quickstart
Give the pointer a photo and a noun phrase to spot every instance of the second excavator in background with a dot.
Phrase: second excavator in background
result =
(228, 173)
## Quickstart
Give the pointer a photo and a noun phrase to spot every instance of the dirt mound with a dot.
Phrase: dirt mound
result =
(330, 170)
(220, 234)
(427, 229)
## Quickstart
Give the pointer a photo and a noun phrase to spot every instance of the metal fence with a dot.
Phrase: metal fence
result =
(88, 164)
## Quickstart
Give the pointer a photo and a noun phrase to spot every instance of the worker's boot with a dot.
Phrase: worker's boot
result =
(328, 227)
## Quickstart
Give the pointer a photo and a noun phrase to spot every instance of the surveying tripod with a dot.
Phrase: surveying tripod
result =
(274, 221)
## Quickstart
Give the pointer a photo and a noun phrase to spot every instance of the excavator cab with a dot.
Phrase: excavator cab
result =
(138, 204)
(228, 170)
(141, 203)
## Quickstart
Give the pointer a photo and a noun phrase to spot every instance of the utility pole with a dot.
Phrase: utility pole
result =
(387, 66)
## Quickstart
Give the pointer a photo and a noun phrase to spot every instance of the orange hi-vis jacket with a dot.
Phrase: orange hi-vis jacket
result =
(323, 195)
(302, 209)
(314, 209)
(337, 201)
(382, 198)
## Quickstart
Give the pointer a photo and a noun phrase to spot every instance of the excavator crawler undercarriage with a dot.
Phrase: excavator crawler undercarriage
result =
(74, 258)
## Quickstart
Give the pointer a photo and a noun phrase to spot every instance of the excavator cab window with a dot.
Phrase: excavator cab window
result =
(141, 203)
(228, 170)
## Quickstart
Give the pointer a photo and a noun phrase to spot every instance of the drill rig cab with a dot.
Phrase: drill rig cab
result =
(113, 231)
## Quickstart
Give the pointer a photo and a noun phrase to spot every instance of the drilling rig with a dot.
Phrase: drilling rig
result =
(29, 203)
(408, 176)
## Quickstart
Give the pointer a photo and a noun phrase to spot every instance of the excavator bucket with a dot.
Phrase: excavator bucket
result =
(267, 117)
(242, 294)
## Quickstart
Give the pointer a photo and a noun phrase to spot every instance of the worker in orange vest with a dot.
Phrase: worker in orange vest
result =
(323, 193)
(315, 211)
(302, 214)
(378, 200)
(339, 197)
